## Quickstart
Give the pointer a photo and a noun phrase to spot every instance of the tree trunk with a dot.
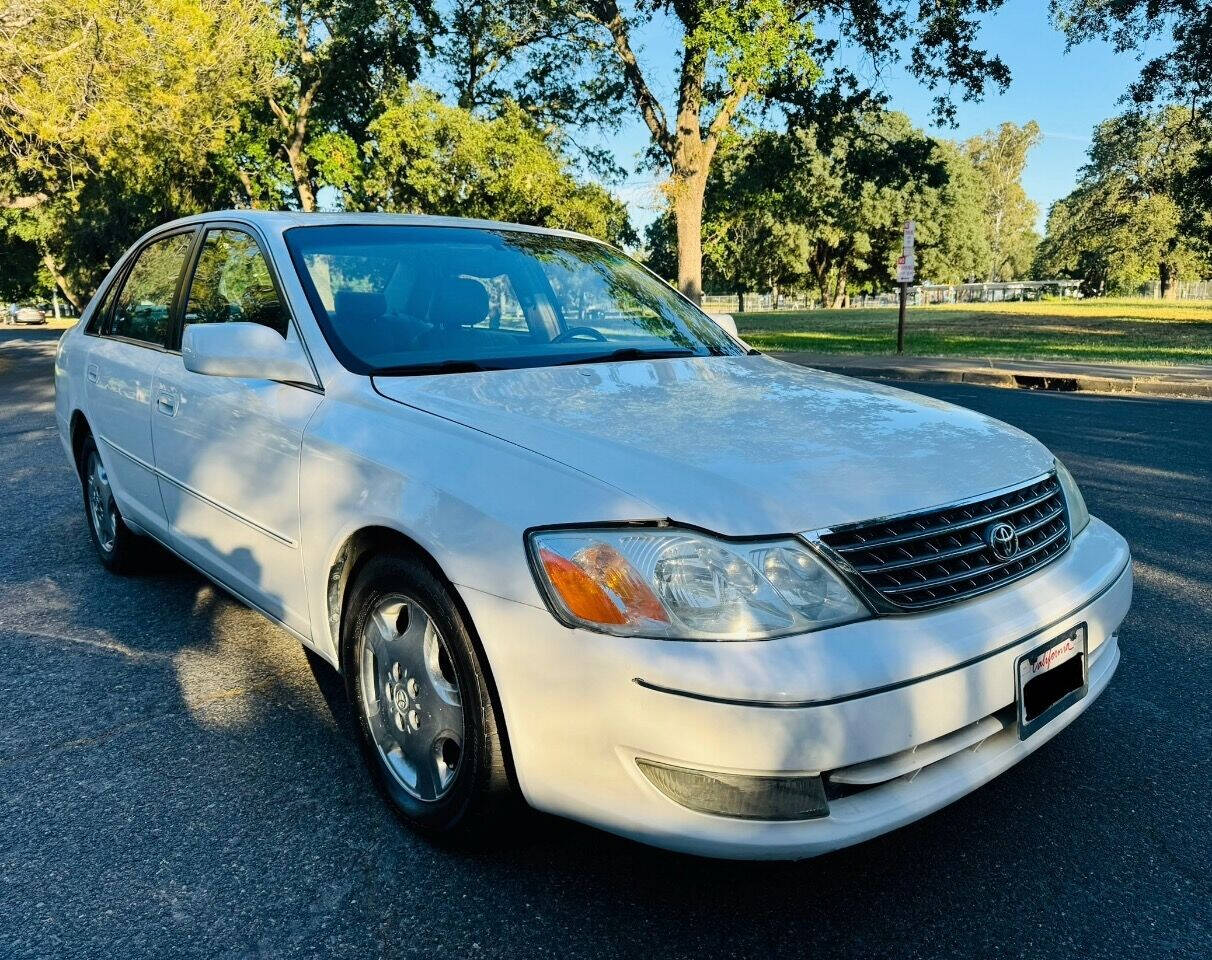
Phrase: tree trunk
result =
(302, 178)
(1168, 289)
(61, 281)
(839, 297)
(740, 301)
(688, 192)
(821, 276)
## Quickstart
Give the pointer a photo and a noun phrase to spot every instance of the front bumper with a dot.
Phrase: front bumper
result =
(580, 707)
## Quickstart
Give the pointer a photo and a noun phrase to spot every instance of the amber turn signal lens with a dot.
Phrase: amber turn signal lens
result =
(583, 597)
(598, 585)
(610, 568)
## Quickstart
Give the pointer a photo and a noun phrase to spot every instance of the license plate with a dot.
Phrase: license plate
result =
(1051, 678)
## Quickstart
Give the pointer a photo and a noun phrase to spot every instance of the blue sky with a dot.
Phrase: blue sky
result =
(1067, 93)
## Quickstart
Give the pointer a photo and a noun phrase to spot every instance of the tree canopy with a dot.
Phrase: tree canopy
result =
(425, 156)
(116, 117)
(111, 115)
(738, 58)
(823, 209)
(336, 60)
(781, 166)
(1177, 74)
(999, 158)
(1128, 222)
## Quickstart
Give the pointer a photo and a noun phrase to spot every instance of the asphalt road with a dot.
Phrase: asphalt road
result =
(175, 780)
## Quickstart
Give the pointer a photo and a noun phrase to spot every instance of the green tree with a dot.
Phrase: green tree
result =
(20, 268)
(824, 207)
(424, 156)
(102, 102)
(1175, 74)
(1000, 157)
(749, 242)
(335, 60)
(952, 238)
(1178, 72)
(1126, 222)
(741, 56)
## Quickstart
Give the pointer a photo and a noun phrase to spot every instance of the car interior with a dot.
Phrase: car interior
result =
(417, 303)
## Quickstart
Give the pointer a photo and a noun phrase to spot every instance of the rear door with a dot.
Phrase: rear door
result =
(120, 367)
(227, 449)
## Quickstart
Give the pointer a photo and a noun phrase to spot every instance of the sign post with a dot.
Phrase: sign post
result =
(904, 276)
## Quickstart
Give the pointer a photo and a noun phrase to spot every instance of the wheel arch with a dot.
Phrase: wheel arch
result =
(79, 431)
(353, 554)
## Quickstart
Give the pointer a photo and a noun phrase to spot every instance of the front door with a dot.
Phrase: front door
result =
(227, 449)
(119, 373)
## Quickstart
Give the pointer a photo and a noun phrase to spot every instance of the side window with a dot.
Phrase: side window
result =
(141, 312)
(504, 311)
(232, 282)
(101, 314)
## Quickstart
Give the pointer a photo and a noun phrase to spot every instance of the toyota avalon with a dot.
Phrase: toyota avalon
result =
(569, 540)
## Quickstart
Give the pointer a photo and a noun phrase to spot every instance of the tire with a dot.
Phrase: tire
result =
(426, 722)
(117, 547)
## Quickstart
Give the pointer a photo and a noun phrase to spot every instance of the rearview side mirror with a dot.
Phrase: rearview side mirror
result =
(242, 349)
(725, 320)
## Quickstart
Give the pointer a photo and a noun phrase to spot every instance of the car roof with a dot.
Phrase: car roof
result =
(278, 221)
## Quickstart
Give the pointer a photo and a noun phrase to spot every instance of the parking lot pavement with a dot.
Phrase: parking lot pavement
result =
(176, 781)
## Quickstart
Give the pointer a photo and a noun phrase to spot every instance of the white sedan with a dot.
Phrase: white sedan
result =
(568, 539)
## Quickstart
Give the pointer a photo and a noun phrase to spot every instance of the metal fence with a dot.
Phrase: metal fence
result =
(1184, 289)
(918, 295)
(731, 302)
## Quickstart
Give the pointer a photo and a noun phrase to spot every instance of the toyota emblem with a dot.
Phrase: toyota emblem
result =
(1002, 539)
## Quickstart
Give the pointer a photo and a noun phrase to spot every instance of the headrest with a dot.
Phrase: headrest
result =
(459, 302)
(351, 305)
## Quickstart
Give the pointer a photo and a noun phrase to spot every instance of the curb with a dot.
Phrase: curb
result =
(1059, 380)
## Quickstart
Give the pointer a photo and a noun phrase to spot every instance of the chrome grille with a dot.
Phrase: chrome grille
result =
(925, 559)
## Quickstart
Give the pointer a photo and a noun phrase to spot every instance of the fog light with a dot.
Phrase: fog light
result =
(739, 796)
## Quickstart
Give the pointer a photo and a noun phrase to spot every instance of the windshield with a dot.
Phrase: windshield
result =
(400, 300)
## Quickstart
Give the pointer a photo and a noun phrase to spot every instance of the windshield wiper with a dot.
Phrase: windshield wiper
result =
(474, 366)
(629, 353)
(424, 369)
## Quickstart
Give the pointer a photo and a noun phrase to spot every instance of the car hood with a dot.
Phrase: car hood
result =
(739, 445)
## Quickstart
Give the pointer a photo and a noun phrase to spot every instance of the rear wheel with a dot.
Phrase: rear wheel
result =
(116, 546)
(426, 720)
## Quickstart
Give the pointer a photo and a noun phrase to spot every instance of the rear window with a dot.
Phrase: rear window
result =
(142, 309)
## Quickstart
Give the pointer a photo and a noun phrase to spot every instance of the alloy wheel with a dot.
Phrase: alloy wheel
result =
(410, 697)
(101, 507)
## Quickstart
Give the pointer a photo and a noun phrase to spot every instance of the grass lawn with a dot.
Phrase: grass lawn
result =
(1110, 330)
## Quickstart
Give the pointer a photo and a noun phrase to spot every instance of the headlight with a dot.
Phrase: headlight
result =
(1079, 516)
(680, 584)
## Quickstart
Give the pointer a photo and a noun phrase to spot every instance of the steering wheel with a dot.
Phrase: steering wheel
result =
(571, 332)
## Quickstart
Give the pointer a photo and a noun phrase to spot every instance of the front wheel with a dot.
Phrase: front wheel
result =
(426, 721)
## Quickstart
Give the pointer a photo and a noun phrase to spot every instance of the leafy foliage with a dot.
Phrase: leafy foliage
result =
(1174, 74)
(999, 158)
(424, 156)
(335, 61)
(1181, 73)
(739, 58)
(823, 208)
(1127, 221)
(111, 116)
(95, 86)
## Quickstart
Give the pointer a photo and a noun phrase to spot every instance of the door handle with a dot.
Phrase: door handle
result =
(90, 372)
(166, 403)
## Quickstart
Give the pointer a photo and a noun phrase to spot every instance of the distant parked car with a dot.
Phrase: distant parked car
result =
(29, 315)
